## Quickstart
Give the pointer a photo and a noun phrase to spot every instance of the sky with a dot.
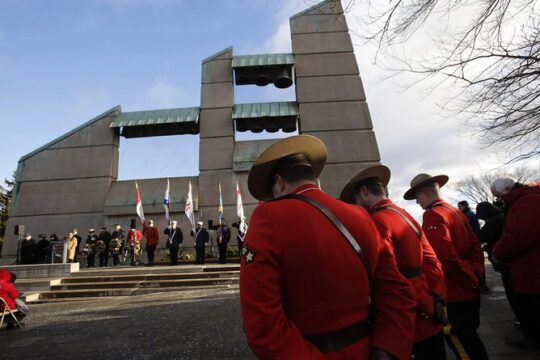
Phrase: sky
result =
(63, 62)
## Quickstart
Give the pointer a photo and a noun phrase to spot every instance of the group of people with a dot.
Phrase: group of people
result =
(40, 251)
(360, 278)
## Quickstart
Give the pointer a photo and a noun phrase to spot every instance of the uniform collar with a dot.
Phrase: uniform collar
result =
(305, 188)
(380, 204)
(435, 203)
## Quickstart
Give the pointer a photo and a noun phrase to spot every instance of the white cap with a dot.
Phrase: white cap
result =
(502, 186)
(174, 222)
(200, 223)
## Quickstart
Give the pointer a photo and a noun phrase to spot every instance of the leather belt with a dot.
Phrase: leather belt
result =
(411, 272)
(341, 338)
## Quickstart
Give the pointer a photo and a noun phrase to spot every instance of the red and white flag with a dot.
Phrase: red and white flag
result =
(138, 207)
(242, 226)
(189, 208)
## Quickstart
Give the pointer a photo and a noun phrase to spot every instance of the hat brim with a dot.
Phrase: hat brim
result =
(439, 179)
(259, 175)
(381, 172)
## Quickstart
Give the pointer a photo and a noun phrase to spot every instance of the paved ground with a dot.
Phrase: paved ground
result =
(165, 326)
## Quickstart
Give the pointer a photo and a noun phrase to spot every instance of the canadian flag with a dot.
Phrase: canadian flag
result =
(138, 207)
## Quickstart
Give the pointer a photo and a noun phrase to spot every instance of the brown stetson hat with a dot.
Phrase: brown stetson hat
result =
(422, 180)
(381, 172)
(259, 175)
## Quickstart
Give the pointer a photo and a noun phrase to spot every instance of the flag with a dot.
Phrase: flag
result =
(138, 207)
(220, 215)
(166, 203)
(189, 208)
(242, 227)
(220, 209)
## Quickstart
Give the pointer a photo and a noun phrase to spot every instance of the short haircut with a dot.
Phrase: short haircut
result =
(431, 188)
(293, 168)
(464, 203)
(373, 186)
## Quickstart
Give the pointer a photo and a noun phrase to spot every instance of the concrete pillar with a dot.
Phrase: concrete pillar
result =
(216, 138)
(330, 94)
(64, 183)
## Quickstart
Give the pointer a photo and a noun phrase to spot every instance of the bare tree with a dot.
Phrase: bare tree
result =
(488, 52)
(476, 189)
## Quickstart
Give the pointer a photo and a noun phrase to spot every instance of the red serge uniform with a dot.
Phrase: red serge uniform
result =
(299, 276)
(134, 234)
(151, 234)
(520, 244)
(416, 261)
(457, 248)
(8, 293)
(5, 274)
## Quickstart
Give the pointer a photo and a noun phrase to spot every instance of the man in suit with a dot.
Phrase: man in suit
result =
(223, 238)
(304, 292)
(174, 240)
(201, 236)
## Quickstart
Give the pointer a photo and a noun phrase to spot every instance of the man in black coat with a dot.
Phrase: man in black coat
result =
(174, 241)
(106, 237)
(90, 248)
(42, 248)
(28, 250)
(223, 237)
(117, 243)
(201, 238)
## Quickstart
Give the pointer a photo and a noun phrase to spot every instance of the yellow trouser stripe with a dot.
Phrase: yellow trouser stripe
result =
(457, 344)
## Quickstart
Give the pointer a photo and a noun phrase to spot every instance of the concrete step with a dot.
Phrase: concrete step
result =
(93, 293)
(145, 283)
(147, 277)
(132, 270)
(193, 293)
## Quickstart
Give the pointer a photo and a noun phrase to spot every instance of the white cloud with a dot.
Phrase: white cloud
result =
(165, 95)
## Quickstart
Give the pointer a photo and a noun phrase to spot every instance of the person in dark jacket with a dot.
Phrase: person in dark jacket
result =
(201, 238)
(28, 250)
(491, 232)
(224, 236)
(519, 248)
(464, 207)
(90, 248)
(117, 243)
(106, 237)
(42, 247)
(240, 234)
(174, 240)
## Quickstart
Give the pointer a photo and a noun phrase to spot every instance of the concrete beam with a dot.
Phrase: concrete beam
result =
(325, 64)
(321, 43)
(334, 116)
(349, 146)
(329, 88)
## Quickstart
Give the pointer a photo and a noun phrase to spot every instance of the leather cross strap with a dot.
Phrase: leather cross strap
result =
(458, 213)
(335, 221)
(408, 221)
